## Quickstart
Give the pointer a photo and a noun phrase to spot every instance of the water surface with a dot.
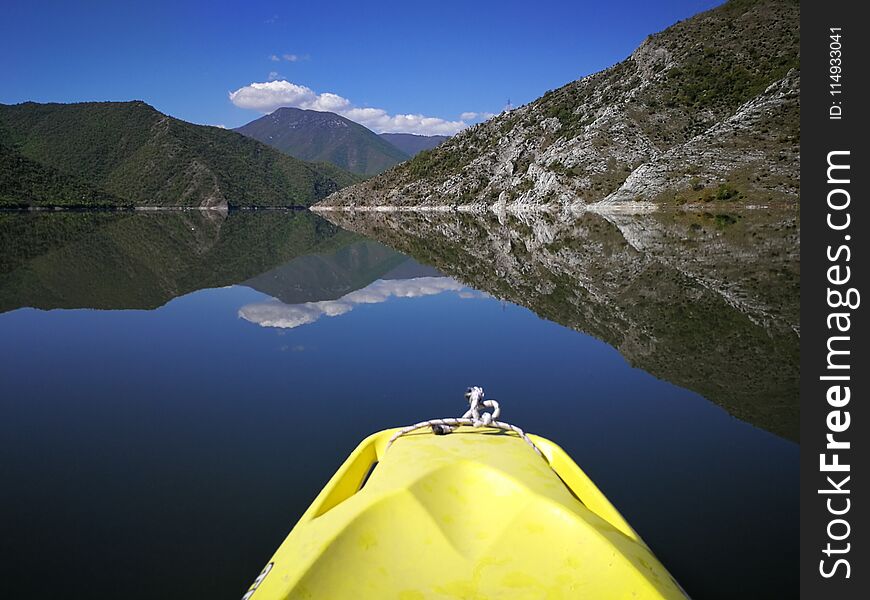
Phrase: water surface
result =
(177, 387)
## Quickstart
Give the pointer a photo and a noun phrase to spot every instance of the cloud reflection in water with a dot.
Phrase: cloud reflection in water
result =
(274, 313)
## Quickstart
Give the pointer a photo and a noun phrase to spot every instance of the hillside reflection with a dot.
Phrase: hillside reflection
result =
(706, 300)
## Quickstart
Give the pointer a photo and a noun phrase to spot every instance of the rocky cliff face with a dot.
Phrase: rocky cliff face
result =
(705, 111)
(707, 301)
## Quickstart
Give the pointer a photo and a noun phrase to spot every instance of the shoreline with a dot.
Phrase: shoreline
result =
(578, 208)
(83, 209)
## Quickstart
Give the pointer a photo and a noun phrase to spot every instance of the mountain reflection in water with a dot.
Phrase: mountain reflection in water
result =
(132, 440)
(706, 300)
(142, 260)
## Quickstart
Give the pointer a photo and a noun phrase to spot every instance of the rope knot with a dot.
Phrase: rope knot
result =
(475, 416)
(474, 395)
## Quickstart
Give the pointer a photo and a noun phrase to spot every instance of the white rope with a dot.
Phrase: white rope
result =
(472, 417)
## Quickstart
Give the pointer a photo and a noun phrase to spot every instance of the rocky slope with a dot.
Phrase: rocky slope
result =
(325, 137)
(707, 301)
(111, 154)
(704, 111)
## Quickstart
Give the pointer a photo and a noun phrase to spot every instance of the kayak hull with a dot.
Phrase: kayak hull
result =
(473, 514)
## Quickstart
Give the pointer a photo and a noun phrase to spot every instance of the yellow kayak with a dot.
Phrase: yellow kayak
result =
(479, 513)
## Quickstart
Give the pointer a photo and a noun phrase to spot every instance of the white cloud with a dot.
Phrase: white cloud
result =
(331, 102)
(475, 116)
(273, 75)
(287, 57)
(268, 96)
(274, 313)
(472, 295)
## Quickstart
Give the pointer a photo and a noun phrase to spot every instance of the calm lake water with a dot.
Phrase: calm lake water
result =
(175, 388)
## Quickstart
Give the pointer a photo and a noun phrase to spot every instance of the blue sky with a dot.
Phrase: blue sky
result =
(433, 59)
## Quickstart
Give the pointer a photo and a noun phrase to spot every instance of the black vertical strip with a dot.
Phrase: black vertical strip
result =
(834, 103)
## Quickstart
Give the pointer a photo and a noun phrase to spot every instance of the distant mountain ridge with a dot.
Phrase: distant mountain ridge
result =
(117, 154)
(707, 110)
(325, 137)
(412, 143)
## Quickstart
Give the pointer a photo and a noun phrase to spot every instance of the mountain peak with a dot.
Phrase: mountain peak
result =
(322, 136)
(288, 116)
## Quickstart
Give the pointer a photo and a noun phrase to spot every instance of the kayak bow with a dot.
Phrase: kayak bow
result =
(475, 514)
